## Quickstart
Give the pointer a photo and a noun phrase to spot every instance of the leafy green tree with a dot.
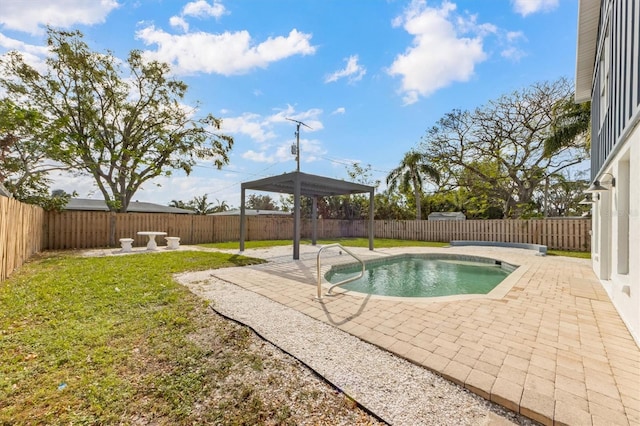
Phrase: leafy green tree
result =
(121, 128)
(410, 175)
(562, 196)
(260, 202)
(390, 205)
(24, 168)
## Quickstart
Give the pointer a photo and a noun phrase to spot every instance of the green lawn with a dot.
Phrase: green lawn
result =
(115, 340)
(364, 242)
(103, 340)
(579, 254)
(350, 242)
(107, 340)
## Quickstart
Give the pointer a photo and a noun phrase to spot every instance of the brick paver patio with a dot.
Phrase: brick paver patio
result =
(553, 348)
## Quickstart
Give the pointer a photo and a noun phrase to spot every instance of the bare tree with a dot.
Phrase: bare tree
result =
(502, 144)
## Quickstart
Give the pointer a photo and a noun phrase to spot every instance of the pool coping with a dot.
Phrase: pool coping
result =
(498, 292)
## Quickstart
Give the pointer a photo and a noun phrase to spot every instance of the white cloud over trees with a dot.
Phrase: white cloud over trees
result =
(32, 16)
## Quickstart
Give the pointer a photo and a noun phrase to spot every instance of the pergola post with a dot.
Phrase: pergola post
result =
(243, 230)
(371, 221)
(314, 220)
(296, 218)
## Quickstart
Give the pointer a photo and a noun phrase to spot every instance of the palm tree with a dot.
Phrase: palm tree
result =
(410, 175)
(201, 205)
(222, 206)
(178, 204)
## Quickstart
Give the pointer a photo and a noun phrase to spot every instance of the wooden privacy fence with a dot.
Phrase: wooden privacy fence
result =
(26, 230)
(21, 232)
(76, 229)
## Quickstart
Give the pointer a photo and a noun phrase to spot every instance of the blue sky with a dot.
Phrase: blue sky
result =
(368, 76)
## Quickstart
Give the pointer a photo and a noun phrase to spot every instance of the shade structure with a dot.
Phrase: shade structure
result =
(303, 184)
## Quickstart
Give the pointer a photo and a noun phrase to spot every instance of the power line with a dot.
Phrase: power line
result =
(350, 163)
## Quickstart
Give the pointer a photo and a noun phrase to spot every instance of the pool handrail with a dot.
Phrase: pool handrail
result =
(348, 280)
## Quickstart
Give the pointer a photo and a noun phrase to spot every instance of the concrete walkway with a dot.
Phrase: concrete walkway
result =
(549, 345)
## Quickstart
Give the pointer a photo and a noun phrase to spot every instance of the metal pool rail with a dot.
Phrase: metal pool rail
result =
(348, 280)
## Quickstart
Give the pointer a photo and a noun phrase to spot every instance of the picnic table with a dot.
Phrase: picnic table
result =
(151, 245)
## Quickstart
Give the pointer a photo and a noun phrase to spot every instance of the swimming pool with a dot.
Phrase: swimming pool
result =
(424, 275)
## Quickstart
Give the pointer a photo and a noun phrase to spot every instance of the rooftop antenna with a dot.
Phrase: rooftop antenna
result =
(295, 149)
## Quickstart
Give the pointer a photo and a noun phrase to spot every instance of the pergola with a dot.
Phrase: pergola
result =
(313, 186)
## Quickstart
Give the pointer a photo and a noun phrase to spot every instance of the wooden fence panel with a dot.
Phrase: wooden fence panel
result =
(26, 229)
(91, 229)
(21, 234)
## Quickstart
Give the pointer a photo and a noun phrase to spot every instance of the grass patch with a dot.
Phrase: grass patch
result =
(234, 245)
(94, 340)
(350, 242)
(364, 242)
(567, 253)
(115, 340)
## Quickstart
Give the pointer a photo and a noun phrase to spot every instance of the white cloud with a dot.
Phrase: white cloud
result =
(32, 17)
(513, 53)
(262, 128)
(252, 125)
(527, 7)
(179, 22)
(510, 50)
(258, 157)
(311, 150)
(227, 53)
(440, 54)
(353, 71)
(340, 110)
(32, 54)
(277, 127)
(202, 9)
(198, 9)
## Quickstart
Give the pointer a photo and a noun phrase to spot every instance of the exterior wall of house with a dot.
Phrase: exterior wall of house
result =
(615, 154)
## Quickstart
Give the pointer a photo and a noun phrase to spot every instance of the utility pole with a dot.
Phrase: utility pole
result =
(296, 150)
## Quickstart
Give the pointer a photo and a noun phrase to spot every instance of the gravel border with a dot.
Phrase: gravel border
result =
(394, 389)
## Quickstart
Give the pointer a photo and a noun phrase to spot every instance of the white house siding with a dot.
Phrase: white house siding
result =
(615, 152)
(616, 234)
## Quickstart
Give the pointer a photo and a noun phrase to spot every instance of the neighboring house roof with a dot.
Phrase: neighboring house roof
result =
(86, 204)
(587, 45)
(250, 212)
(446, 216)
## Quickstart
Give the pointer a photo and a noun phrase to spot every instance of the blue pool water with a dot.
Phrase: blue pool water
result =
(423, 275)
